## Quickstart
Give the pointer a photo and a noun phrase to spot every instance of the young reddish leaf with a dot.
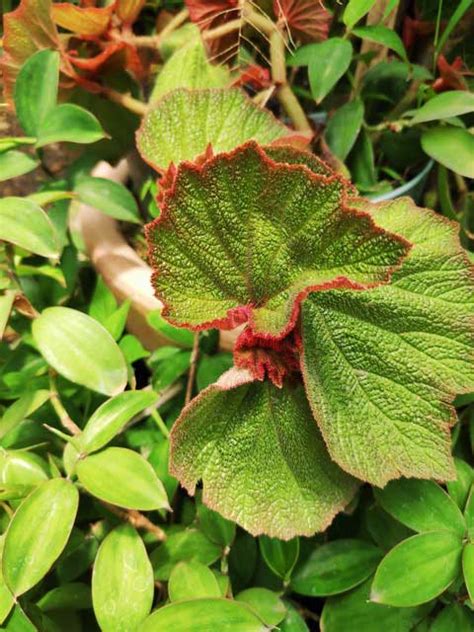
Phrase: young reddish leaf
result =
(210, 14)
(246, 238)
(308, 20)
(26, 30)
(186, 122)
(128, 10)
(89, 21)
(389, 361)
(260, 457)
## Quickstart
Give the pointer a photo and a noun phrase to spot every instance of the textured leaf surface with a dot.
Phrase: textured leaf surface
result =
(382, 366)
(185, 122)
(189, 68)
(260, 457)
(307, 19)
(246, 235)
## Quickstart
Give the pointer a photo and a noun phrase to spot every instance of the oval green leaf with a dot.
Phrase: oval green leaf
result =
(343, 128)
(183, 546)
(452, 147)
(25, 224)
(329, 62)
(421, 506)
(212, 614)
(468, 568)
(69, 123)
(445, 105)
(192, 580)
(38, 533)
(124, 478)
(15, 163)
(418, 569)
(217, 528)
(74, 596)
(335, 567)
(80, 349)
(112, 198)
(382, 35)
(280, 555)
(269, 607)
(36, 89)
(112, 416)
(122, 581)
(355, 10)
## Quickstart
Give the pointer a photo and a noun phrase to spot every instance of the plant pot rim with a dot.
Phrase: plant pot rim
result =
(404, 189)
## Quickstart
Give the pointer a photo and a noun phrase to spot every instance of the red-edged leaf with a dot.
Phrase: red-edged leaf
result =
(90, 21)
(128, 10)
(308, 20)
(26, 30)
(209, 14)
(260, 456)
(245, 238)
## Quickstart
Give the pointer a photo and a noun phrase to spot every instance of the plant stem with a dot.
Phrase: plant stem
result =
(192, 369)
(125, 100)
(179, 19)
(59, 409)
(136, 519)
(159, 422)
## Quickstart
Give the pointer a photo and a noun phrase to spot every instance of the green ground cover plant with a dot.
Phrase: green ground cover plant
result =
(293, 448)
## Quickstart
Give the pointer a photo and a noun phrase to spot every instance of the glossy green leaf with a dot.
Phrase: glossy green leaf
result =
(385, 531)
(215, 527)
(25, 224)
(452, 147)
(387, 360)
(329, 62)
(36, 90)
(382, 35)
(335, 567)
(109, 197)
(459, 489)
(343, 128)
(18, 467)
(445, 105)
(212, 614)
(418, 569)
(280, 556)
(74, 596)
(468, 568)
(69, 123)
(15, 163)
(236, 432)
(38, 533)
(122, 581)
(183, 546)
(355, 10)
(220, 247)
(192, 580)
(354, 611)
(80, 349)
(21, 408)
(6, 598)
(469, 513)
(189, 67)
(183, 124)
(268, 606)
(112, 416)
(421, 506)
(453, 618)
(293, 622)
(124, 478)
(6, 303)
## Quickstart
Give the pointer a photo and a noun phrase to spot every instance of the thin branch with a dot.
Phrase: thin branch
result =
(59, 409)
(136, 519)
(192, 369)
(125, 100)
(179, 19)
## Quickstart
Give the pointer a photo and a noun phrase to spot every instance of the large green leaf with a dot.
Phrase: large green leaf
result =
(329, 62)
(335, 567)
(192, 580)
(25, 224)
(189, 68)
(122, 581)
(124, 478)
(69, 123)
(109, 197)
(382, 366)
(355, 10)
(260, 457)
(279, 555)
(185, 122)
(421, 506)
(343, 128)
(36, 89)
(246, 237)
(418, 569)
(382, 35)
(354, 611)
(265, 603)
(79, 348)
(15, 163)
(445, 105)
(452, 147)
(207, 614)
(38, 533)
